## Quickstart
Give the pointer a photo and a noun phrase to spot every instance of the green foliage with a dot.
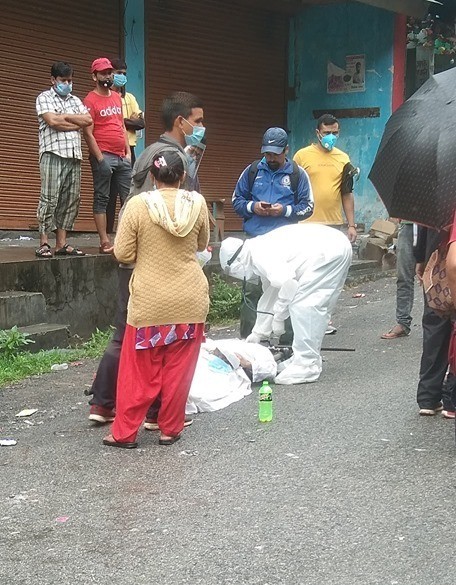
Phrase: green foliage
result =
(225, 301)
(97, 343)
(12, 341)
(24, 364)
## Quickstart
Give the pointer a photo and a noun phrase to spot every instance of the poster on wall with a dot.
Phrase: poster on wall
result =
(348, 80)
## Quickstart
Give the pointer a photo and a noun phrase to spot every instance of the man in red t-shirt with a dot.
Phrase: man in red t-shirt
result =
(107, 139)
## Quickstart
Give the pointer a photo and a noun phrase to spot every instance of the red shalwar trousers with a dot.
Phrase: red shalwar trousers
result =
(145, 374)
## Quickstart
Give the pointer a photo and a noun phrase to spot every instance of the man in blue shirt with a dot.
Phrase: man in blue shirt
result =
(274, 191)
(270, 193)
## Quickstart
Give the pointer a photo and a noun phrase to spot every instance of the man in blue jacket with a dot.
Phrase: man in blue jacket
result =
(270, 193)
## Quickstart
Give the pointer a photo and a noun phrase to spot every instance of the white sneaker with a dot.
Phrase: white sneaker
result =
(431, 411)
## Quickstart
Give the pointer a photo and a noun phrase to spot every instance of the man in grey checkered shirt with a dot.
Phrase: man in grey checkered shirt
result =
(61, 117)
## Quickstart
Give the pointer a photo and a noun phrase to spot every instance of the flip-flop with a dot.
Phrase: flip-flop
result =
(106, 248)
(65, 252)
(393, 333)
(119, 445)
(169, 441)
(44, 251)
(153, 425)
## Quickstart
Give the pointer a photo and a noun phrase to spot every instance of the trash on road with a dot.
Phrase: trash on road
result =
(19, 497)
(292, 455)
(62, 519)
(7, 442)
(358, 296)
(27, 412)
(59, 367)
(76, 364)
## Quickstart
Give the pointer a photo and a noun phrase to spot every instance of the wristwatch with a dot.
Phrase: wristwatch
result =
(355, 225)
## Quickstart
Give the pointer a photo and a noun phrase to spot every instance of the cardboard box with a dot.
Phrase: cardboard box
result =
(383, 229)
(372, 249)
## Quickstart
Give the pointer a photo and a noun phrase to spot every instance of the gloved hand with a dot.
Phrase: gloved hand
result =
(254, 338)
(278, 327)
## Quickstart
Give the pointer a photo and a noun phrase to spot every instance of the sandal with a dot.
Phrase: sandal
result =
(44, 251)
(106, 248)
(111, 442)
(396, 332)
(68, 250)
(169, 441)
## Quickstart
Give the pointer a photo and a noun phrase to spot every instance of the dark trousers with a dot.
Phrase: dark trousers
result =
(434, 363)
(252, 294)
(112, 167)
(432, 387)
(104, 387)
(113, 198)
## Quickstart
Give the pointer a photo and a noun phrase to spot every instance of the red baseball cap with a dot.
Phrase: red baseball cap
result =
(101, 64)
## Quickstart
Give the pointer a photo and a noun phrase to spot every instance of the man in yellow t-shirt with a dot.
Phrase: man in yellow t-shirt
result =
(133, 116)
(331, 177)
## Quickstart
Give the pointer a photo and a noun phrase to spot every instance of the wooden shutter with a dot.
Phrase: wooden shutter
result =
(234, 58)
(33, 35)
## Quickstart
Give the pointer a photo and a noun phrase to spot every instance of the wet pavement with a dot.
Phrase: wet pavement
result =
(346, 486)
(21, 246)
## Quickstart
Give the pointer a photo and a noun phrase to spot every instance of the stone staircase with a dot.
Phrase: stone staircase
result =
(27, 310)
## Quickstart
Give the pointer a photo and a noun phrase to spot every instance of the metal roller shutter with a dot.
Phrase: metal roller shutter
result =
(234, 58)
(32, 36)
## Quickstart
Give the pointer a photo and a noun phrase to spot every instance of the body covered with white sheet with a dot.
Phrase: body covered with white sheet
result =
(302, 268)
(220, 376)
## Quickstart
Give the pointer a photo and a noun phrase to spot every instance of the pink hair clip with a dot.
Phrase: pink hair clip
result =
(160, 162)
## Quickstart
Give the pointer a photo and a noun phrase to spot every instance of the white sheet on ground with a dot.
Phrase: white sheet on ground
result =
(217, 384)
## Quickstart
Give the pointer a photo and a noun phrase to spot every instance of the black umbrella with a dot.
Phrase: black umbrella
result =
(414, 171)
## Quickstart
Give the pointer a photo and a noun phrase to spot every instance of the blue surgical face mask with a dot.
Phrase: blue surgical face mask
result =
(120, 79)
(196, 136)
(63, 89)
(329, 141)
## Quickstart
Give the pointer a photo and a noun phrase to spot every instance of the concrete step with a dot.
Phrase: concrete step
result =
(21, 308)
(364, 265)
(46, 336)
(358, 277)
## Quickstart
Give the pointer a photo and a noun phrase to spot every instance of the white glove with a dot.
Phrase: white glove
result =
(278, 327)
(253, 338)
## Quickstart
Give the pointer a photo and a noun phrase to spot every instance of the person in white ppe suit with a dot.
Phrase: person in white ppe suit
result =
(302, 269)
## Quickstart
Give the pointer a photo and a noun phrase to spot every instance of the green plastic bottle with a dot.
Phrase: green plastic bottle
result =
(265, 403)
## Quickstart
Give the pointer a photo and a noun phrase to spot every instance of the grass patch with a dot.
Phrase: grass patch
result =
(24, 364)
(226, 301)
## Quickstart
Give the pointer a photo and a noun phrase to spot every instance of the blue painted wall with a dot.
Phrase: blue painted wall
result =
(329, 33)
(135, 52)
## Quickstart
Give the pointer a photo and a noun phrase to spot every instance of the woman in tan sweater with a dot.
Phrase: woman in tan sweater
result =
(161, 232)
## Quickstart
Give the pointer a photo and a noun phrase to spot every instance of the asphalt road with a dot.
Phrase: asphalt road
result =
(347, 485)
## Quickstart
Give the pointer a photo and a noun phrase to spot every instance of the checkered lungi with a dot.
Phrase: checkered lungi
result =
(60, 192)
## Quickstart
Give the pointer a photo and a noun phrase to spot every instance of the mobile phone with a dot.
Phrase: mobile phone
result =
(267, 205)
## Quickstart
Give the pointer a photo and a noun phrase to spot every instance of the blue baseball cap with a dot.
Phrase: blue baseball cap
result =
(274, 140)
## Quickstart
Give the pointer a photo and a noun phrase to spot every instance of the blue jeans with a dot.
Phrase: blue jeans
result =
(405, 276)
